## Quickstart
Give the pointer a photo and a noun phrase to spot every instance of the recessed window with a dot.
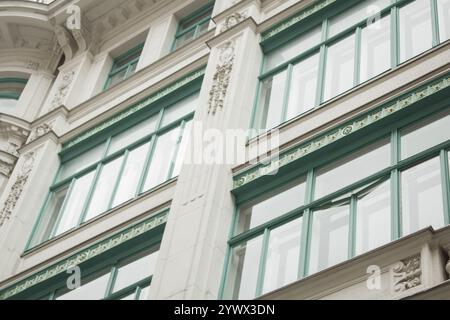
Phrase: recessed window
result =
(124, 66)
(10, 91)
(193, 26)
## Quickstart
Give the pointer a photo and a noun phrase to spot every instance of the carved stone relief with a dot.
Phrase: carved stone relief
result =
(407, 274)
(63, 89)
(233, 20)
(40, 130)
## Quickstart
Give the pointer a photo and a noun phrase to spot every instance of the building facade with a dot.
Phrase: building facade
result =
(116, 175)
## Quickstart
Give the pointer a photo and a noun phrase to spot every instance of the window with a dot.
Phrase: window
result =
(343, 51)
(124, 66)
(345, 207)
(193, 26)
(129, 163)
(10, 91)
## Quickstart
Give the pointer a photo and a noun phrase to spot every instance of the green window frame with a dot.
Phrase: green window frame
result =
(124, 66)
(193, 26)
(281, 76)
(11, 88)
(434, 153)
(70, 213)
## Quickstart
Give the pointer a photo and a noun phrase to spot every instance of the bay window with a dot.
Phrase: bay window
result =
(10, 91)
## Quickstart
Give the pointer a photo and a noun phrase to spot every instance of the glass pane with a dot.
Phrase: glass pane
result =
(444, 19)
(373, 220)
(415, 29)
(144, 293)
(133, 134)
(340, 67)
(117, 78)
(356, 14)
(104, 188)
(273, 205)
(182, 149)
(160, 163)
(185, 38)
(424, 135)
(203, 28)
(129, 58)
(81, 162)
(422, 203)
(329, 239)
(187, 23)
(375, 49)
(283, 256)
(73, 208)
(353, 168)
(180, 109)
(271, 101)
(243, 270)
(7, 103)
(92, 289)
(135, 271)
(132, 172)
(292, 49)
(302, 95)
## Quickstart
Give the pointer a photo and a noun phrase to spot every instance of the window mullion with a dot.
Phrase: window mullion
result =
(435, 22)
(445, 176)
(305, 244)
(395, 38)
(182, 127)
(286, 93)
(90, 194)
(262, 262)
(395, 205)
(352, 227)
(322, 63)
(357, 68)
(111, 282)
(119, 177)
(137, 293)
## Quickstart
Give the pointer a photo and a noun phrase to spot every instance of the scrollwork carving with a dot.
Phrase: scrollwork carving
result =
(407, 274)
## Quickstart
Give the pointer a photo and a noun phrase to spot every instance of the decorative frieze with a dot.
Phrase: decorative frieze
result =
(85, 255)
(221, 78)
(407, 274)
(63, 89)
(18, 186)
(343, 131)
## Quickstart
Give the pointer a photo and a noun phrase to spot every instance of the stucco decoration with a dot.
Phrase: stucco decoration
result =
(65, 41)
(40, 130)
(221, 78)
(63, 89)
(407, 274)
(6, 168)
(232, 20)
(18, 186)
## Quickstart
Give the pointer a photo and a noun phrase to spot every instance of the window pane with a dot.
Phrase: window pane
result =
(117, 78)
(329, 240)
(422, 203)
(290, 198)
(351, 169)
(243, 270)
(292, 49)
(182, 149)
(424, 135)
(180, 109)
(340, 67)
(132, 134)
(131, 174)
(203, 28)
(283, 256)
(104, 188)
(356, 14)
(444, 19)
(92, 289)
(373, 220)
(415, 29)
(161, 160)
(375, 49)
(271, 101)
(185, 38)
(73, 208)
(135, 271)
(81, 162)
(302, 95)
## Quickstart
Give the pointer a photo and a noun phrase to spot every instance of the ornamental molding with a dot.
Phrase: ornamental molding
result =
(141, 105)
(18, 186)
(407, 274)
(6, 168)
(221, 78)
(309, 11)
(40, 131)
(85, 255)
(343, 131)
(232, 20)
(63, 89)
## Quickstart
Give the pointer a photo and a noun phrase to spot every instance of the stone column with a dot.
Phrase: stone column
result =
(195, 240)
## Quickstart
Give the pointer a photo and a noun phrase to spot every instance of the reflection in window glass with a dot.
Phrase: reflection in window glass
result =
(50, 217)
(329, 239)
(182, 151)
(342, 173)
(283, 256)
(303, 86)
(292, 49)
(375, 49)
(422, 203)
(424, 135)
(273, 206)
(415, 29)
(373, 220)
(271, 101)
(243, 269)
(104, 188)
(340, 67)
(179, 110)
(444, 19)
(92, 290)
